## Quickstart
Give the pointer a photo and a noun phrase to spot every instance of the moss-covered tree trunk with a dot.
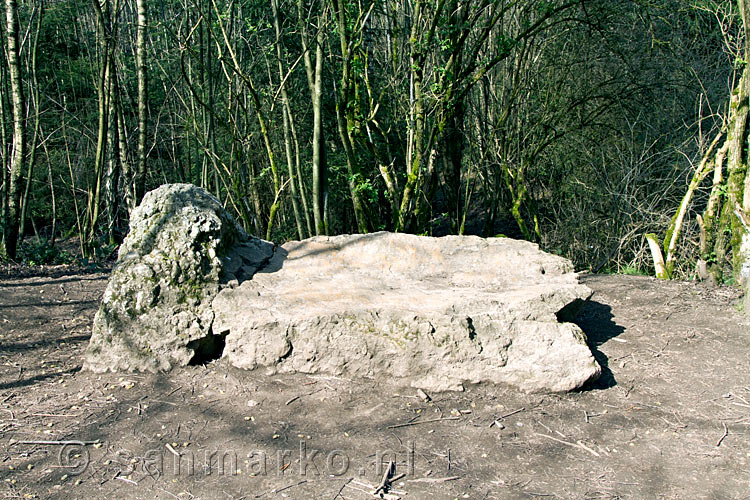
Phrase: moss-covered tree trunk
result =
(348, 112)
(725, 223)
(725, 242)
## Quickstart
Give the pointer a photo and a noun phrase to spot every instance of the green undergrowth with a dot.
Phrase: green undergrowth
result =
(40, 252)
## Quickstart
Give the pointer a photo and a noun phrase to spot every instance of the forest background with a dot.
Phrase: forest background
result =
(611, 132)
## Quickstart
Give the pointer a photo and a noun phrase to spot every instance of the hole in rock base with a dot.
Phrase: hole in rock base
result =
(207, 349)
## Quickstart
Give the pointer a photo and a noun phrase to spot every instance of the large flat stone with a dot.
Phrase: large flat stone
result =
(436, 312)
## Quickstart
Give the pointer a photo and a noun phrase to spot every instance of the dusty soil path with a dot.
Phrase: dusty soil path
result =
(670, 418)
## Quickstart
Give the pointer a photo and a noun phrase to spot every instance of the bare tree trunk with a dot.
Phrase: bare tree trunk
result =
(142, 74)
(665, 266)
(106, 35)
(300, 179)
(3, 159)
(15, 179)
(315, 83)
(739, 185)
(657, 256)
(417, 115)
(53, 197)
(113, 173)
(122, 156)
(320, 171)
(287, 116)
(346, 112)
(79, 225)
(261, 117)
(35, 136)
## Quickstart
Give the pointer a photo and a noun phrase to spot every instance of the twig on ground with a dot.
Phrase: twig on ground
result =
(295, 398)
(164, 402)
(126, 480)
(548, 429)
(383, 485)
(168, 493)
(726, 433)
(568, 443)
(55, 442)
(52, 415)
(278, 490)
(338, 493)
(511, 413)
(431, 420)
(587, 448)
(359, 483)
(434, 479)
(672, 424)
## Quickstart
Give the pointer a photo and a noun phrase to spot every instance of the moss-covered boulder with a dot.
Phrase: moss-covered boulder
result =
(156, 311)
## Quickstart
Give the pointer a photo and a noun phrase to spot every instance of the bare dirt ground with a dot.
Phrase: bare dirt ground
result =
(670, 418)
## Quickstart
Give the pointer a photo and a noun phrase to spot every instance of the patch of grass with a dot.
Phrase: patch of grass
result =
(40, 252)
(626, 270)
(633, 271)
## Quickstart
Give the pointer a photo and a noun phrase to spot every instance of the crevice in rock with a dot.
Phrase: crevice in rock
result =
(569, 312)
(472, 331)
(207, 349)
(273, 264)
(266, 262)
(287, 354)
(247, 268)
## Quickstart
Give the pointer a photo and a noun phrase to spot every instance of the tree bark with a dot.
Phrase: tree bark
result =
(315, 83)
(346, 119)
(142, 75)
(35, 135)
(286, 117)
(106, 39)
(261, 117)
(657, 257)
(675, 227)
(113, 173)
(15, 179)
(725, 225)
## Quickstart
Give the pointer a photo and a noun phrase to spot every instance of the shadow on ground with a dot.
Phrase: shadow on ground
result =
(51, 341)
(596, 321)
(17, 384)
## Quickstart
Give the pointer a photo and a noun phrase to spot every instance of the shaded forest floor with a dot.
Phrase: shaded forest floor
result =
(670, 418)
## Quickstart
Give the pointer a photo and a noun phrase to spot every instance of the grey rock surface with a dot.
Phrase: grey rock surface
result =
(436, 312)
(156, 311)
